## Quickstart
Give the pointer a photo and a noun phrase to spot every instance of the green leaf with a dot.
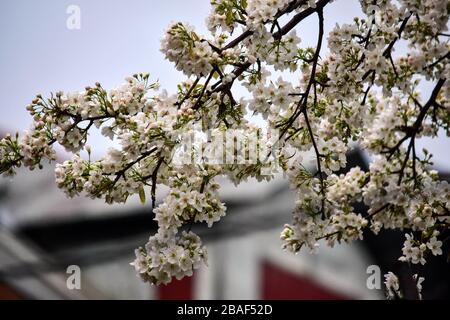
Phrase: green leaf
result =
(142, 195)
(195, 36)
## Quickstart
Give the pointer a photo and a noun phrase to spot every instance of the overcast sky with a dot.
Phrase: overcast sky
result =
(39, 54)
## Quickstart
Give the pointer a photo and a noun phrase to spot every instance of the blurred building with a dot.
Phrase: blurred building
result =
(42, 233)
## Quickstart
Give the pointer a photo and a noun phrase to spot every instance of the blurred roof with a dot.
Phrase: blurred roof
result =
(31, 197)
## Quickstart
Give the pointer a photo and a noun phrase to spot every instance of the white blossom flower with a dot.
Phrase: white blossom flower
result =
(435, 246)
(392, 285)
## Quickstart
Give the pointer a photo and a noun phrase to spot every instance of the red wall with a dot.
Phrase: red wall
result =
(276, 283)
(281, 284)
(177, 289)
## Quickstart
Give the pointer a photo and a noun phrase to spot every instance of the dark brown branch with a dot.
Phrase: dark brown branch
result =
(197, 103)
(299, 17)
(391, 45)
(411, 132)
(154, 181)
(415, 128)
(238, 40)
(188, 94)
(121, 173)
(432, 65)
(302, 104)
(380, 209)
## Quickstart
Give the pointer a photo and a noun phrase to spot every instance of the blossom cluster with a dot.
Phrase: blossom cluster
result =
(184, 47)
(261, 11)
(282, 54)
(226, 14)
(161, 260)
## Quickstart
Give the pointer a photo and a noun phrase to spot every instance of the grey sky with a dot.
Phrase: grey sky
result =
(117, 38)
